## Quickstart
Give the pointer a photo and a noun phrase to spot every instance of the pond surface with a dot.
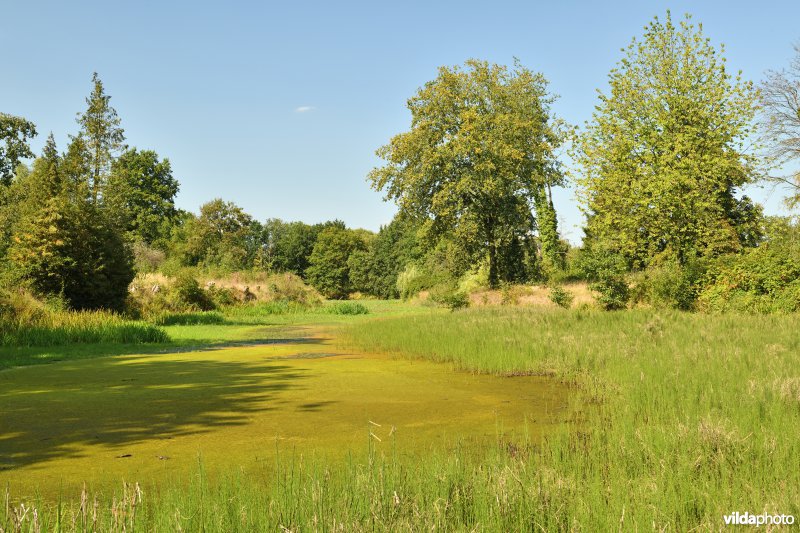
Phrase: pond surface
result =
(152, 417)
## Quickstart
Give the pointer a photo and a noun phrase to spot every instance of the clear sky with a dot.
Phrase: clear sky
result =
(279, 107)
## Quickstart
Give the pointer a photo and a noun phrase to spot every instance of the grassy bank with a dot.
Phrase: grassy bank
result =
(79, 327)
(685, 417)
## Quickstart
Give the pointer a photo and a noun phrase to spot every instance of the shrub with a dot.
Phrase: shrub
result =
(448, 295)
(670, 285)
(561, 297)
(765, 279)
(223, 296)
(606, 270)
(186, 293)
(612, 292)
(411, 280)
(288, 287)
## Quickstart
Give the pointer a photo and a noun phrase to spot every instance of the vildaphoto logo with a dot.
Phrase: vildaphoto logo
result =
(764, 519)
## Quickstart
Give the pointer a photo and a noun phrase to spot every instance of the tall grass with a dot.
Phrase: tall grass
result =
(677, 420)
(367, 492)
(680, 418)
(79, 327)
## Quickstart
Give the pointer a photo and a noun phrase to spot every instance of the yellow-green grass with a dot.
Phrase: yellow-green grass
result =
(149, 417)
(78, 327)
(686, 417)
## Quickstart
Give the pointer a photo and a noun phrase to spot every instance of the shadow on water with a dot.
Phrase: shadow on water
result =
(116, 402)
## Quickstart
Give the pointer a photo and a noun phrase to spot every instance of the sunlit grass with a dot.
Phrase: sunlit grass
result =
(80, 327)
(685, 417)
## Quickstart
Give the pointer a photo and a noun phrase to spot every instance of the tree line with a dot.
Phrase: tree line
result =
(659, 170)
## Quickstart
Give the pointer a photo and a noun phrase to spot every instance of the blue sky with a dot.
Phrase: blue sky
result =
(279, 107)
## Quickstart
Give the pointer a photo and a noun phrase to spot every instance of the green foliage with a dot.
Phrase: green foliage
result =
(411, 280)
(186, 293)
(606, 270)
(72, 250)
(613, 292)
(561, 297)
(375, 270)
(666, 152)
(480, 148)
(103, 136)
(224, 296)
(14, 134)
(222, 236)
(448, 295)
(670, 285)
(146, 258)
(328, 269)
(141, 195)
(764, 279)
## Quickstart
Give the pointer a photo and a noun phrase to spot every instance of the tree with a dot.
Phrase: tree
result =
(141, 193)
(222, 236)
(14, 134)
(665, 152)
(288, 245)
(66, 246)
(780, 101)
(102, 135)
(479, 152)
(328, 271)
(374, 270)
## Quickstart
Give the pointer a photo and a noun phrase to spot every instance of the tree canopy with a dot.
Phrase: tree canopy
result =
(665, 152)
(14, 134)
(480, 152)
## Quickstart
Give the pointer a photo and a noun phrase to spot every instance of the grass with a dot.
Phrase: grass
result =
(189, 319)
(683, 418)
(676, 420)
(80, 327)
(295, 418)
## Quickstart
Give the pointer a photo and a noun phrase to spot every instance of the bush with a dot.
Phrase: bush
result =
(606, 272)
(670, 285)
(448, 295)
(612, 292)
(561, 297)
(223, 296)
(288, 287)
(765, 279)
(186, 293)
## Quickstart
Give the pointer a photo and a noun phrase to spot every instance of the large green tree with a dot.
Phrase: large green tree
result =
(63, 244)
(665, 153)
(480, 152)
(102, 135)
(141, 194)
(14, 135)
(222, 236)
(328, 270)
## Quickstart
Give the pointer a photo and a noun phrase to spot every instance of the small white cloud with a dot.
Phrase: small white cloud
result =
(304, 109)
